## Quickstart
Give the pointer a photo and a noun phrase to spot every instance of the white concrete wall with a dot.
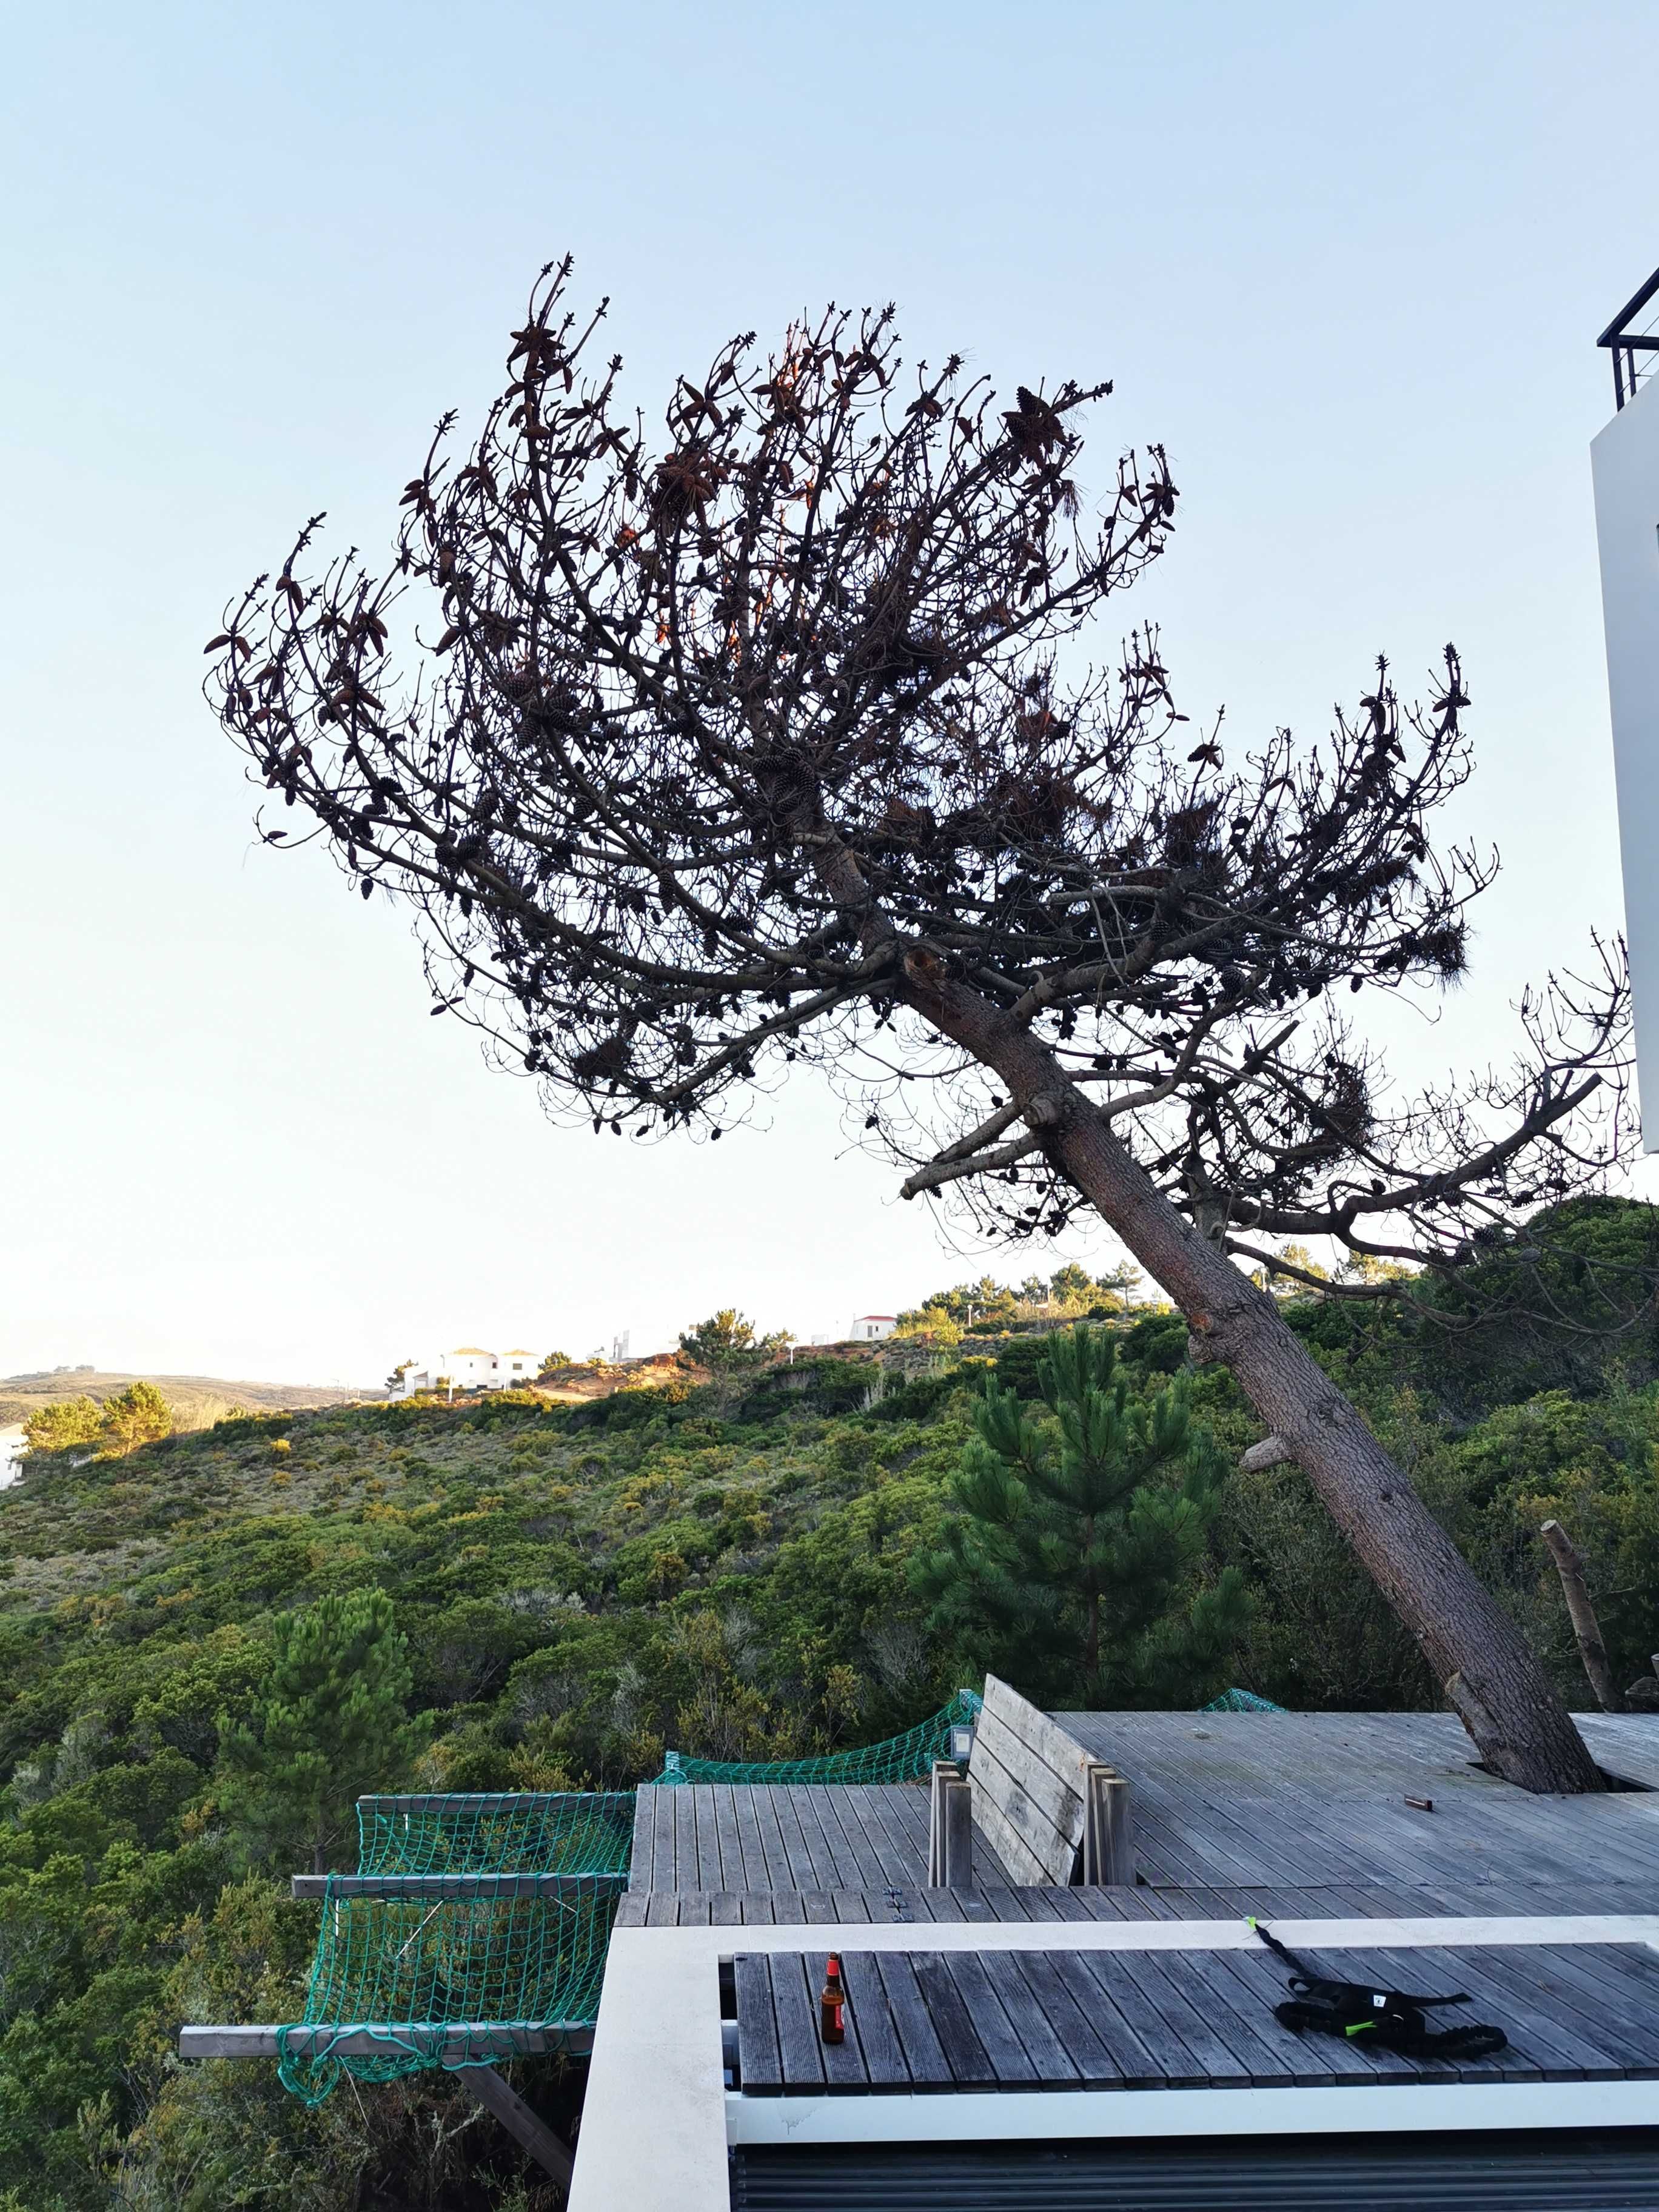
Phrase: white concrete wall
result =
(1624, 467)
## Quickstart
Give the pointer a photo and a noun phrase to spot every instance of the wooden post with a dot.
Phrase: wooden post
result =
(535, 2136)
(946, 1771)
(1086, 1868)
(958, 1833)
(1108, 1851)
(1585, 1627)
(369, 2039)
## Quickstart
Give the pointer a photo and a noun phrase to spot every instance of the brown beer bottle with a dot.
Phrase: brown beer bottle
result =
(832, 2004)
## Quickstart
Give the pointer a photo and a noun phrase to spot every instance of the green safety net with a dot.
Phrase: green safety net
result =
(462, 1981)
(907, 1758)
(1242, 1701)
(459, 1982)
(522, 1832)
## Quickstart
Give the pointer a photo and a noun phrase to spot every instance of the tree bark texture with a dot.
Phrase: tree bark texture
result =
(1585, 1627)
(1489, 1673)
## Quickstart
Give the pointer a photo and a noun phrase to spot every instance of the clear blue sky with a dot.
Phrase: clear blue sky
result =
(1347, 261)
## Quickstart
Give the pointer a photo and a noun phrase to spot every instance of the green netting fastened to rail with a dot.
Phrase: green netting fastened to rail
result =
(906, 1758)
(462, 1981)
(522, 1832)
(1242, 1701)
(399, 1984)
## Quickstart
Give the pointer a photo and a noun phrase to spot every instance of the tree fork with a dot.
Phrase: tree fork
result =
(1489, 1673)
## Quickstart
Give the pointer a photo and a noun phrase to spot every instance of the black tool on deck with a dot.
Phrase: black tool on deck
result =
(1364, 2014)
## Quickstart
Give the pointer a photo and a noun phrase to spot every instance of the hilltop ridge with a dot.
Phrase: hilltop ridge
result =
(197, 1401)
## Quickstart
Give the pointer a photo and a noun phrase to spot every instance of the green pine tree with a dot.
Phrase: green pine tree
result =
(332, 1724)
(63, 1424)
(1075, 1563)
(138, 1415)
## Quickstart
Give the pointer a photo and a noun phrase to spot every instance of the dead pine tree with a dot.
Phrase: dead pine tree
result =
(777, 741)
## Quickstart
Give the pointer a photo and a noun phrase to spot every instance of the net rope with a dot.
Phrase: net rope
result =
(460, 1982)
(1242, 1701)
(907, 1758)
(522, 1832)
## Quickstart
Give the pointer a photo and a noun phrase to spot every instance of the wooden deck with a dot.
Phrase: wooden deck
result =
(1290, 1815)
(1059, 2020)
(1318, 1800)
(774, 1838)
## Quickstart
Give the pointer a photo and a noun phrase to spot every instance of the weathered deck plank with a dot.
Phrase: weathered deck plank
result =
(642, 1851)
(924, 2063)
(757, 2029)
(878, 2033)
(1067, 2004)
(1050, 2065)
(1280, 1815)
(940, 2021)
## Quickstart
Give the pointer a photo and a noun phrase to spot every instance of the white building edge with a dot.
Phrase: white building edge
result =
(1624, 467)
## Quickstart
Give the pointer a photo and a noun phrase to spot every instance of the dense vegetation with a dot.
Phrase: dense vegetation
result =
(733, 1568)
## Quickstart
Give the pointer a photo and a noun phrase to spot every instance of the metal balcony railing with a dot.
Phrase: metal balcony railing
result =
(1632, 338)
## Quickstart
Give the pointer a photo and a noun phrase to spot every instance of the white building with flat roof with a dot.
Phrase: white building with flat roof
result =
(468, 1367)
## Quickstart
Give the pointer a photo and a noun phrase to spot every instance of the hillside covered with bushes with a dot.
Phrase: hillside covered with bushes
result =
(736, 1569)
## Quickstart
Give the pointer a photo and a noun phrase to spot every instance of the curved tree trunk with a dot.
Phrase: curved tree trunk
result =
(1488, 1671)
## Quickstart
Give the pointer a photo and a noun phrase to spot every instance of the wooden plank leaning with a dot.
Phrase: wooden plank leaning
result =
(1030, 1791)
(1034, 1839)
(550, 2151)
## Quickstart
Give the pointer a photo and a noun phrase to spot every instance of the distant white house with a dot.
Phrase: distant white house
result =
(468, 1367)
(870, 1329)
